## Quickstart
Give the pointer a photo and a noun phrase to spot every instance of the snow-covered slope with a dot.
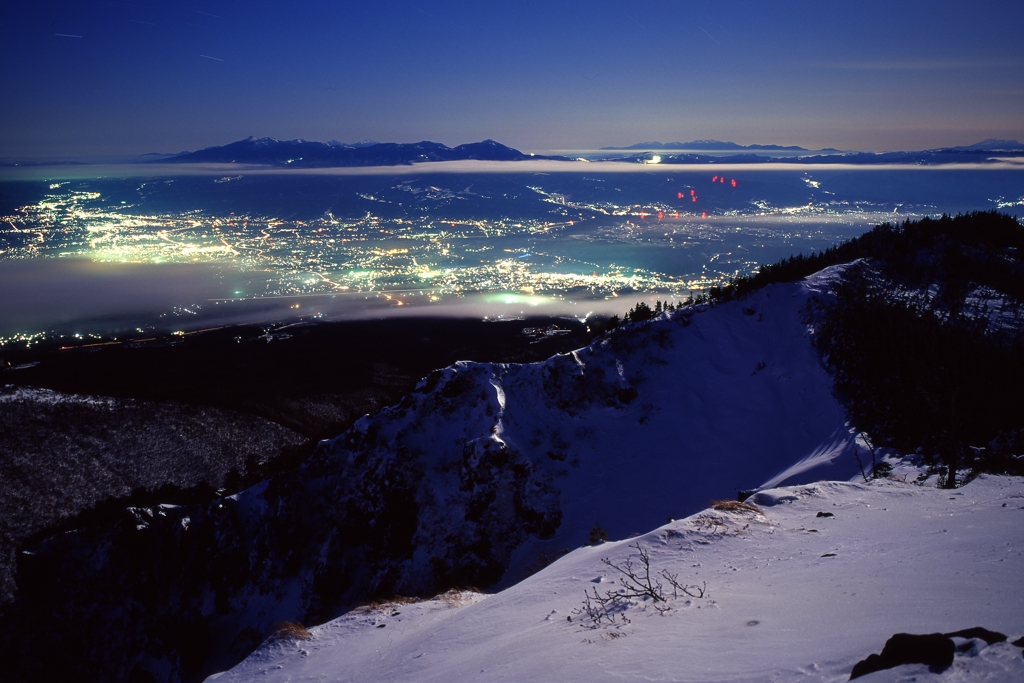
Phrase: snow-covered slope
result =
(792, 595)
(649, 423)
(483, 475)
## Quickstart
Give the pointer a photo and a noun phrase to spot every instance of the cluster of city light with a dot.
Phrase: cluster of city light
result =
(25, 339)
(414, 260)
(370, 254)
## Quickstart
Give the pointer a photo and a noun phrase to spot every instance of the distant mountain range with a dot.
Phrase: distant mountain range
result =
(980, 152)
(991, 144)
(310, 154)
(712, 145)
(361, 143)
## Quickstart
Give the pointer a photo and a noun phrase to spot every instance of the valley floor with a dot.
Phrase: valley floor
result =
(816, 580)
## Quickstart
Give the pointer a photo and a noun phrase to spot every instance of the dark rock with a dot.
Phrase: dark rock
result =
(934, 649)
(824, 514)
(869, 665)
(989, 637)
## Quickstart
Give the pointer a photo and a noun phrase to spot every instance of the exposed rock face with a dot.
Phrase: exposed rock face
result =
(980, 632)
(933, 649)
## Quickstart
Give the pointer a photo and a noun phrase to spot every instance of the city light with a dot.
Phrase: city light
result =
(521, 261)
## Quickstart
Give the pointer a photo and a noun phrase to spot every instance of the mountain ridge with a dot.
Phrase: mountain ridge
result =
(991, 144)
(310, 154)
(711, 145)
(301, 153)
(987, 145)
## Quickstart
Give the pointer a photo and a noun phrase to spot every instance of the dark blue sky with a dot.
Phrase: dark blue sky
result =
(155, 75)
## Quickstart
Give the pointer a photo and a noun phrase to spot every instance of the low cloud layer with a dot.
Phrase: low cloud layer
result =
(44, 293)
(78, 295)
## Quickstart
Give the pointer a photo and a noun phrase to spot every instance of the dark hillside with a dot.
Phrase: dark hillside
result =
(983, 248)
(314, 378)
(178, 419)
(61, 454)
(926, 336)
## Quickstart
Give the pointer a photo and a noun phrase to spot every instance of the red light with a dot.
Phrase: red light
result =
(703, 214)
(677, 214)
(693, 192)
(660, 215)
(693, 199)
(714, 179)
(733, 182)
(722, 179)
(679, 195)
(642, 215)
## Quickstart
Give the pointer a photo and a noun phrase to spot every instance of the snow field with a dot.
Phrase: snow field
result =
(791, 596)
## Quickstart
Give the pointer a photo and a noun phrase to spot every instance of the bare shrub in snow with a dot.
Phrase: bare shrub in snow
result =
(291, 630)
(736, 506)
(387, 605)
(710, 522)
(457, 597)
(635, 583)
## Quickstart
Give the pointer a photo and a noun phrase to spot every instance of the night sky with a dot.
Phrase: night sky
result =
(110, 78)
